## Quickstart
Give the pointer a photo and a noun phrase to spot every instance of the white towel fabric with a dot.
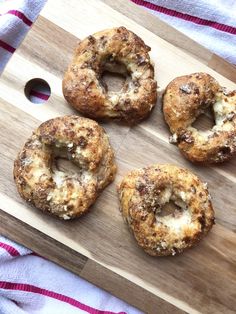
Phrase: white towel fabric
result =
(212, 23)
(16, 17)
(29, 283)
(32, 284)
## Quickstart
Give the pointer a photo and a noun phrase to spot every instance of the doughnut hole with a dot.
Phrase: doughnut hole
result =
(112, 82)
(64, 165)
(170, 208)
(114, 76)
(205, 121)
(174, 214)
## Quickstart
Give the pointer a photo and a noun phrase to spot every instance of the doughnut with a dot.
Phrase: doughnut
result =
(144, 195)
(115, 50)
(187, 97)
(64, 194)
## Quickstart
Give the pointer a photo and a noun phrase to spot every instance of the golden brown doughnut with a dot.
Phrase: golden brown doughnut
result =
(185, 98)
(84, 90)
(63, 194)
(143, 194)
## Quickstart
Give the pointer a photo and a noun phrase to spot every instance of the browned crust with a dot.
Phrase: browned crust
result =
(185, 98)
(82, 87)
(142, 194)
(78, 139)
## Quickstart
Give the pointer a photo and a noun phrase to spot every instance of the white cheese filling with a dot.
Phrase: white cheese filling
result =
(175, 223)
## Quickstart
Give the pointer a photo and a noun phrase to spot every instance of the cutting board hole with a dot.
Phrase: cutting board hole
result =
(37, 91)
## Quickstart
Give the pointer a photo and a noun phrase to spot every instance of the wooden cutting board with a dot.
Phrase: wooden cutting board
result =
(99, 246)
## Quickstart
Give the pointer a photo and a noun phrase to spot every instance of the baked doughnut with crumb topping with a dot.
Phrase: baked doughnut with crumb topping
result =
(187, 97)
(115, 50)
(61, 193)
(144, 195)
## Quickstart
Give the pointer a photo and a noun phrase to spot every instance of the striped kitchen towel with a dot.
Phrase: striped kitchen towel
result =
(16, 17)
(32, 284)
(212, 23)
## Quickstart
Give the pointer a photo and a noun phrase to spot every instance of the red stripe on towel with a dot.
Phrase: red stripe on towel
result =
(190, 18)
(10, 249)
(20, 15)
(6, 46)
(39, 95)
(54, 295)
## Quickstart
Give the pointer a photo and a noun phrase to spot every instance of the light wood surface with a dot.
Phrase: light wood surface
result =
(170, 34)
(99, 246)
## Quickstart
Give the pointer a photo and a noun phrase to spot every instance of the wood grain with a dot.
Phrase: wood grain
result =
(52, 249)
(172, 35)
(82, 266)
(137, 295)
(99, 246)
